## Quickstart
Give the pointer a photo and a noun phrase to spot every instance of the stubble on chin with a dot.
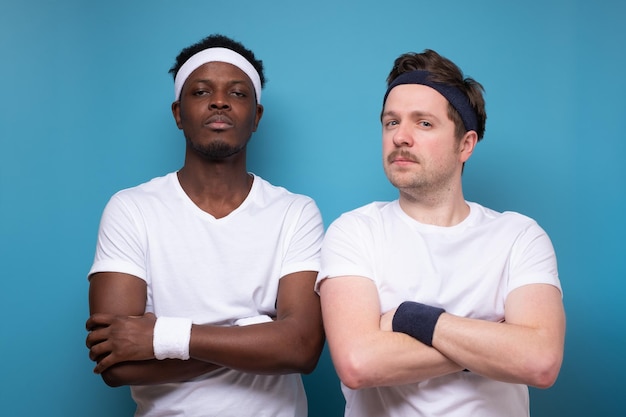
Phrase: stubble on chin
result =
(402, 180)
(215, 151)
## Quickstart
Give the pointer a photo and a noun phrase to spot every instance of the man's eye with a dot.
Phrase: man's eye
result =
(391, 123)
(425, 123)
(200, 92)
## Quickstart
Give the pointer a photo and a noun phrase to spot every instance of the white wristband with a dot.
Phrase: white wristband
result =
(171, 338)
(253, 320)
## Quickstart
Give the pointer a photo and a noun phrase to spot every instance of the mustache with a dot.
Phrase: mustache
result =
(402, 154)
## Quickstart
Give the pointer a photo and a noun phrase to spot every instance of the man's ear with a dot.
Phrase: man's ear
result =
(176, 113)
(257, 119)
(467, 145)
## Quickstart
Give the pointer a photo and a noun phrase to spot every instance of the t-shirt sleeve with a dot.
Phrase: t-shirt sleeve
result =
(347, 250)
(302, 252)
(120, 244)
(533, 260)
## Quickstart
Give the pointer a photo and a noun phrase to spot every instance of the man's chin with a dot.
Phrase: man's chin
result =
(217, 151)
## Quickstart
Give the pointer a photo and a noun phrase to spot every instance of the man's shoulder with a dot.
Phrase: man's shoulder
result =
(145, 194)
(375, 208)
(508, 219)
(272, 193)
(371, 213)
(151, 186)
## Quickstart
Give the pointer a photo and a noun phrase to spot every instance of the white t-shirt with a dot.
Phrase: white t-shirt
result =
(214, 271)
(468, 269)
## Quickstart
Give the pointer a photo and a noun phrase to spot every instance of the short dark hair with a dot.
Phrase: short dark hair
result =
(218, 41)
(444, 71)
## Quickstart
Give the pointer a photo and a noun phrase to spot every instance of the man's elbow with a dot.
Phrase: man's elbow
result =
(545, 371)
(354, 371)
(112, 380)
(308, 355)
(115, 376)
(308, 366)
(352, 379)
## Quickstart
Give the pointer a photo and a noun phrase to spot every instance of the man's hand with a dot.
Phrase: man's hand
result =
(113, 339)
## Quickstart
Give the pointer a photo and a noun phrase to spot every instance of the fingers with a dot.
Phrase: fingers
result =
(97, 340)
(95, 336)
(99, 351)
(98, 320)
(113, 339)
(102, 351)
(103, 363)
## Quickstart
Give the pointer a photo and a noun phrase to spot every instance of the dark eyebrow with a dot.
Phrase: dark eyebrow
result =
(426, 114)
(210, 81)
(388, 113)
(413, 114)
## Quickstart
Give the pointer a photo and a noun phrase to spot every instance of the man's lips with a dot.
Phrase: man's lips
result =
(219, 121)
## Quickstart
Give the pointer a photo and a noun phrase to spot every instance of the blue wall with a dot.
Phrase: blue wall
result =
(85, 112)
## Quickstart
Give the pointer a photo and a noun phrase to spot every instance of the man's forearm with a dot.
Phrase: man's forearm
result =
(153, 372)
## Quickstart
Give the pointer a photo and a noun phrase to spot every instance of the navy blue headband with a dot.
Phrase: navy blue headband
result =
(456, 97)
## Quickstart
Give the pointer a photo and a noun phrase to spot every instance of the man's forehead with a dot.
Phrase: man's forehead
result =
(415, 95)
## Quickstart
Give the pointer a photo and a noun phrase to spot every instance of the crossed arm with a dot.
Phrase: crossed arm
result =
(120, 335)
(527, 348)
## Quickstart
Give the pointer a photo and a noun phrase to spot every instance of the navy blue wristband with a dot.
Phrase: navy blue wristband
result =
(417, 320)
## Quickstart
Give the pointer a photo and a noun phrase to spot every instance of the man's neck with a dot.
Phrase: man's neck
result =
(440, 210)
(217, 189)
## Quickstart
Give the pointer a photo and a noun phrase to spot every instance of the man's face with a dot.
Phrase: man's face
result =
(217, 110)
(420, 151)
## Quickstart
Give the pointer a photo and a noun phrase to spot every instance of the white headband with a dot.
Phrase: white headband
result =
(217, 55)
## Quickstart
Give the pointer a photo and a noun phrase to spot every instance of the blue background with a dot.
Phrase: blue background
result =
(86, 111)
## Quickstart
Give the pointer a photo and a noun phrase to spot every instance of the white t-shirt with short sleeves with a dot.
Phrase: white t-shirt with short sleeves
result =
(214, 271)
(468, 269)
